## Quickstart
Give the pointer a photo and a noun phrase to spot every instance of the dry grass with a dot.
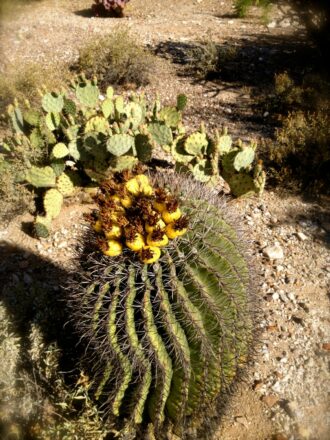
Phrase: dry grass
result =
(207, 58)
(302, 141)
(117, 58)
(24, 83)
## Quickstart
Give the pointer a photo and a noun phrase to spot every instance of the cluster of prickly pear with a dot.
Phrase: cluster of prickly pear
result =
(202, 156)
(135, 215)
(238, 170)
(105, 7)
(80, 128)
(197, 153)
(60, 185)
(164, 341)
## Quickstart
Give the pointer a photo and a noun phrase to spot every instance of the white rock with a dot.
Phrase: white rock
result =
(271, 25)
(274, 252)
(302, 236)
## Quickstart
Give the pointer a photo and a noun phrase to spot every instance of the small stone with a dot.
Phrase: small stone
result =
(275, 296)
(271, 25)
(302, 236)
(270, 400)
(291, 408)
(242, 420)
(279, 436)
(326, 346)
(304, 433)
(274, 252)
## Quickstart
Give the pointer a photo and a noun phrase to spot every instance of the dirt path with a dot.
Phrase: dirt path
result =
(285, 394)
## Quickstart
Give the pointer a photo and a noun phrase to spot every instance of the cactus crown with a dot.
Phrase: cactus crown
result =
(134, 214)
(165, 339)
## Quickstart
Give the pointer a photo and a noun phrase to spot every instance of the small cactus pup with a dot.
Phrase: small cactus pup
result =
(109, 7)
(167, 320)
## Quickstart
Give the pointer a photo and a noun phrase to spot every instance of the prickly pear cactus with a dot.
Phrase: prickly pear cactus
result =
(166, 332)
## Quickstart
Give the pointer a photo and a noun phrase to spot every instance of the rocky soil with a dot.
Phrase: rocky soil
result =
(285, 394)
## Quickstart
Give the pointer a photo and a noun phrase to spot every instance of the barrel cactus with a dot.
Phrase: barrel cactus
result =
(166, 338)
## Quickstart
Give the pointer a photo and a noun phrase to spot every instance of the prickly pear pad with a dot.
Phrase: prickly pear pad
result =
(136, 215)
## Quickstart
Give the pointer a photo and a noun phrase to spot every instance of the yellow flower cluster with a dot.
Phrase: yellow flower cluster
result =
(134, 214)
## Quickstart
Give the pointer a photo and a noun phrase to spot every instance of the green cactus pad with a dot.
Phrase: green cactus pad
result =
(60, 150)
(53, 201)
(42, 226)
(167, 340)
(108, 108)
(48, 136)
(202, 171)
(244, 158)
(120, 105)
(161, 133)
(36, 138)
(110, 92)
(32, 117)
(119, 144)
(170, 116)
(41, 177)
(179, 153)
(87, 94)
(52, 103)
(134, 113)
(16, 119)
(122, 163)
(70, 107)
(74, 151)
(181, 102)
(97, 124)
(65, 185)
(143, 147)
(241, 184)
(52, 120)
(196, 144)
(58, 166)
(224, 143)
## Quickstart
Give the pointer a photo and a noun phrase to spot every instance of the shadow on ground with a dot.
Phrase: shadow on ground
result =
(33, 299)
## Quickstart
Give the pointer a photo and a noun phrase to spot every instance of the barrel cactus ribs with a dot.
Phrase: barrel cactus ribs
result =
(166, 338)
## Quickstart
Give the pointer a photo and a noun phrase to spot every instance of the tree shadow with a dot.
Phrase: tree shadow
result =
(33, 298)
(313, 219)
(87, 13)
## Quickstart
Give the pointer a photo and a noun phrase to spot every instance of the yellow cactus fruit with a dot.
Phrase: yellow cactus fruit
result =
(157, 238)
(172, 233)
(114, 249)
(139, 185)
(147, 190)
(160, 224)
(177, 228)
(142, 179)
(150, 254)
(137, 243)
(170, 217)
(159, 206)
(116, 199)
(97, 226)
(126, 201)
(113, 232)
(132, 186)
